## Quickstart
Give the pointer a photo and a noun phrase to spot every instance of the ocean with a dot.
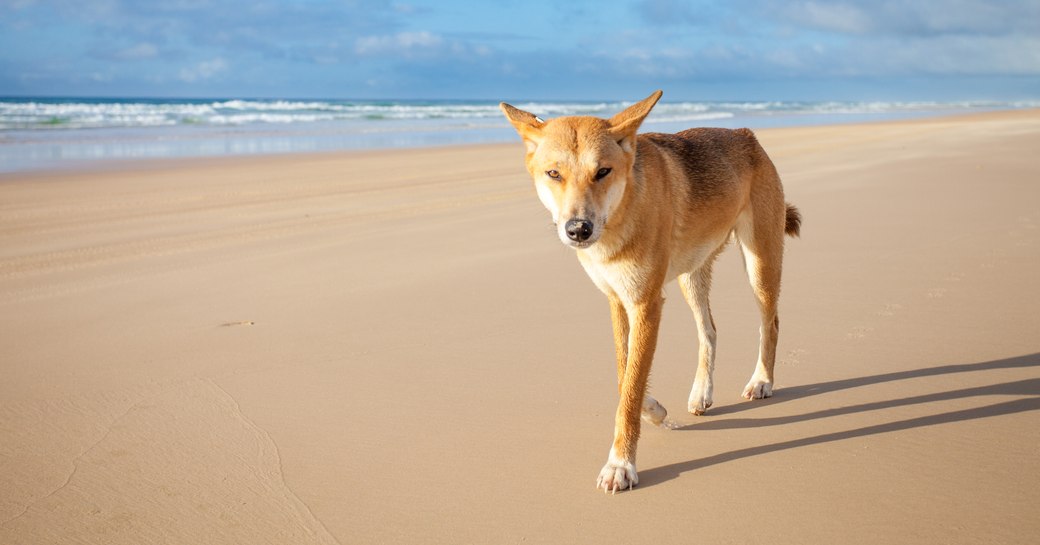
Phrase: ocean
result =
(61, 133)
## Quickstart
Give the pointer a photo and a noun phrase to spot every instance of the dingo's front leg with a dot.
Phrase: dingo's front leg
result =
(653, 412)
(619, 473)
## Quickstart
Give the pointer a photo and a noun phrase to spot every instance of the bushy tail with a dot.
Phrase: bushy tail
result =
(793, 226)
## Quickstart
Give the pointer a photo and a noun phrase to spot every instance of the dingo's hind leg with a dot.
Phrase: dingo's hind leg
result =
(761, 237)
(695, 287)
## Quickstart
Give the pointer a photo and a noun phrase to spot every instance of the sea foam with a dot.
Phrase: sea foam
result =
(48, 132)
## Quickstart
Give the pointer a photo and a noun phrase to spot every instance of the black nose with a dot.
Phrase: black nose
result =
(578, 230)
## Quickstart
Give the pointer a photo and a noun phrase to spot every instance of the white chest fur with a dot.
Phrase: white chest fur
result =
(627, 279)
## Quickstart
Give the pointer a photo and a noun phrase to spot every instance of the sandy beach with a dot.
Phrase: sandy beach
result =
(393, 347)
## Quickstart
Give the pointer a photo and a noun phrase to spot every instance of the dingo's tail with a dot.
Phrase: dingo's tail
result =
(793, 226)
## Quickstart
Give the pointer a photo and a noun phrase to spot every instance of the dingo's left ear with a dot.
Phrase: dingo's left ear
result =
(527, 124)
(625, 124)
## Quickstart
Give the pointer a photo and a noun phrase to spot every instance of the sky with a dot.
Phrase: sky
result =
(527, 49)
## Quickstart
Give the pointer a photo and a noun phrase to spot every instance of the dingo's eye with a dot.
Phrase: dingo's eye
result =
(602, 173)
(554, 174)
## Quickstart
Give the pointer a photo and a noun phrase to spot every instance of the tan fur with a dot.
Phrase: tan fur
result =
(665, 210)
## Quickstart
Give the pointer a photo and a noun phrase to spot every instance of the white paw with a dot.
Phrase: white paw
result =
(617, 475)
(758, 389)
(653, 412)
(700, 397)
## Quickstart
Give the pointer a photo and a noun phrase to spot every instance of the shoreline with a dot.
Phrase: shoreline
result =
(506, 136)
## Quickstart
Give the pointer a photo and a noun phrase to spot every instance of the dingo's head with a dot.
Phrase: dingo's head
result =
(581, 166)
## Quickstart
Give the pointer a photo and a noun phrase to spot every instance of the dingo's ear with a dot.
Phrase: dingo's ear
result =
(625, 124)
(527, 124)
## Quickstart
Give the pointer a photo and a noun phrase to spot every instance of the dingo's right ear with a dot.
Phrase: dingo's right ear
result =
(527, 124)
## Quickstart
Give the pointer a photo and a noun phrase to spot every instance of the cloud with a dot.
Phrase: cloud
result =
(911, 17)
(402, 43)
(815, 38)
(532, 48)
(417, 45)
(203, 70)
(270, 29)
(886, 38)
(940, 56)
(668, 12)
(410, 9)
(137, 52)
(17, 4)
(837, 17)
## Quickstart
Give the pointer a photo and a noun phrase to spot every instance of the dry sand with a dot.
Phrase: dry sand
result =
(393, 347)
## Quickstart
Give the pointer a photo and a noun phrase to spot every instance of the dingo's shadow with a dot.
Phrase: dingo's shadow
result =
(1026, 387)
(806, 390)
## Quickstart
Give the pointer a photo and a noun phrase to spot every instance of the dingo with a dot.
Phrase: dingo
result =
(642, 210)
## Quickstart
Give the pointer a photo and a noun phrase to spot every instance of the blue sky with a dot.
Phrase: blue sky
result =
(528, 49)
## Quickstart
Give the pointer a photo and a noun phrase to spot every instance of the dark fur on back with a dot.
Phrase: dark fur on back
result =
(701, 153)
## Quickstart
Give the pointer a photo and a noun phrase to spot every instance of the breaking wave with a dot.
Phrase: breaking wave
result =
(59, 114)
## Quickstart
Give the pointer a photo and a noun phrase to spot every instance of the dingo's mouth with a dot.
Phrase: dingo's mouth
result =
(579, 245)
